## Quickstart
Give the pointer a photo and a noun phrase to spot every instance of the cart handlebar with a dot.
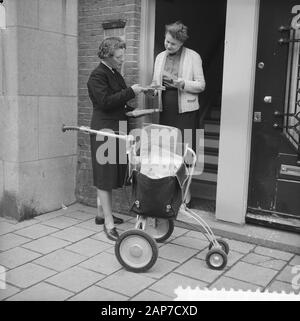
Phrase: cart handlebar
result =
(141, 112)
(88, 130)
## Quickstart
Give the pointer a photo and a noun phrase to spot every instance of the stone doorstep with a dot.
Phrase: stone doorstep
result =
(258, 235)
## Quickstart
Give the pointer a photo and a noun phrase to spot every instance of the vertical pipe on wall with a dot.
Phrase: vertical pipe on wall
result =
(146, 44)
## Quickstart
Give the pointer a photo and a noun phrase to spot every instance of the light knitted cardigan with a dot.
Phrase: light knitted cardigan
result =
(190, 70)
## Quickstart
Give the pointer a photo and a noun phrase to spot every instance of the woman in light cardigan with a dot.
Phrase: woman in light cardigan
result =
(179, 69)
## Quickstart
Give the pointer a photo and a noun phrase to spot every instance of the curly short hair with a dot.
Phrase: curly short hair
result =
(178, 31)
(109, 45)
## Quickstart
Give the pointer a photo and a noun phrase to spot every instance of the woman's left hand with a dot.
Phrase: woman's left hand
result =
(178, 83)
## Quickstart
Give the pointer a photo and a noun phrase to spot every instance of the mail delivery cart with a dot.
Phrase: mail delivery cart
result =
(160, 171)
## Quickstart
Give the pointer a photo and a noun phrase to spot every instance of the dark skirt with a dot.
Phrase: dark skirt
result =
(170, 116)
(112, 174)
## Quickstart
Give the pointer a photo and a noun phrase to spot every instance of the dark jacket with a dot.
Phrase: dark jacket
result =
(109, 95)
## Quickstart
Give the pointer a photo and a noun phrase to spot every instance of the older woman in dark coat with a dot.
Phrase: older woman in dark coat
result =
(109, 95)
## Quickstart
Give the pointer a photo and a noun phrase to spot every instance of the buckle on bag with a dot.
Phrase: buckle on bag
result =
(137, 204)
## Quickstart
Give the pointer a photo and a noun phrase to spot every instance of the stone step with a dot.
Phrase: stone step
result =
(206, 177)
(212, 126)
(211, 159)
(211, 142)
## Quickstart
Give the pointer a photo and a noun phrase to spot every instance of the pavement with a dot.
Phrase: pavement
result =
(63, 255)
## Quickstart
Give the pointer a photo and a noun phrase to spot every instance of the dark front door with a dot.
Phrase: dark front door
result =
(274, 185)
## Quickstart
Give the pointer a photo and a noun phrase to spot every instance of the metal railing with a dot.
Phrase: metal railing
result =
(291, 115)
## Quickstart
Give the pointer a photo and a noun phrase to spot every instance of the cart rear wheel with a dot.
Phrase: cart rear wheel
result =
(136, 250)
(159, 228)
(224, 245)
(216, 259)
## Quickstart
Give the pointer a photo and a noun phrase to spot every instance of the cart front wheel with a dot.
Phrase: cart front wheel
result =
(136, 251)
(216, 259)
(224, 245)
(159, 228)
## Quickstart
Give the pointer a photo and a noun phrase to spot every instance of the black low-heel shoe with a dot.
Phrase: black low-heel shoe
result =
(189, 204)
(100, 220)
(111, 234)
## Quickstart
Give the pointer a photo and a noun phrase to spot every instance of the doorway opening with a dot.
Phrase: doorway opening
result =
(206, 28)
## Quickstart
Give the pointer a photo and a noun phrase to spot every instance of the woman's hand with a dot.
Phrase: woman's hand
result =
(150, 91)
(137, 89)
(178, 83)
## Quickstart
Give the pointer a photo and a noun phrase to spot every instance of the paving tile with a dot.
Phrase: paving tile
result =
(103, 263)
(238, 246)
(90, 225)
(149, 295)
(17, 256)
(93, 211)
(8, 219)
(46, 244)
(36, 231)
(264, 261)
(232, 257)
(83, 208)
(228, 283)
(88, 247)
(95, 293)
(11, 240)
(8, 291)
(60, 260)
(78, 215)
(196, 234)
(27, 275)
(251, 273)
(3, 271)
(110, 250)
(61, 222)
(190, 242)
(273, 253)
(75, 279)
(288, 274)
(178, 231)
(199, 270)
(6, 228)
(176, 253)
(51, 215)
(160, 268)
(102, 237)
(278, 286)
(126, 226)
(131, 219)
(172, 281)
(126, 218)
(73, 234)
(42, 292)
(126, 283)
(295, 260)
(26, 223)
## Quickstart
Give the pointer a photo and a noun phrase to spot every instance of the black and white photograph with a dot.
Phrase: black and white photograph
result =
(149, 152)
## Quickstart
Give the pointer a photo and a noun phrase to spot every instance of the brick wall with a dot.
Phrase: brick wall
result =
(91, 15)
